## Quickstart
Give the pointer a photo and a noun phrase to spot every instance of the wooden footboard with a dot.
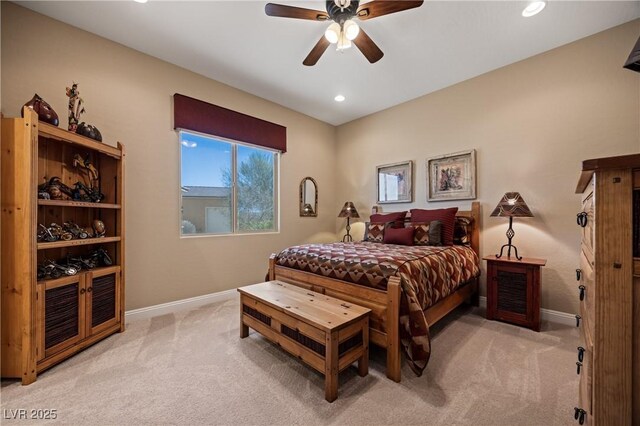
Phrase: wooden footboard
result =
(384, 320)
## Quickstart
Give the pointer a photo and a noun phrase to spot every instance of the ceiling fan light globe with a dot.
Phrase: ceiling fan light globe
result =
(332, 34)
(351, 29)
(343, 43)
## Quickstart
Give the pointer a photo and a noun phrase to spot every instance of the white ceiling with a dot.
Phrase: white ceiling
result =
(426, 49)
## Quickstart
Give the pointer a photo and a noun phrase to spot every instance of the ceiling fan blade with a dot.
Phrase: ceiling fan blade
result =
(283, 11)
(369, 49)
(316, 52)
(376, 8)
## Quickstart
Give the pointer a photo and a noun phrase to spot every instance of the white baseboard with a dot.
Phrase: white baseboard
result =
(179, 305)
(546, 314)
(222, 296)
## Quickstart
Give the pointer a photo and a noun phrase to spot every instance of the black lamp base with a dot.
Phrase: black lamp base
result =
(510, 234)
(347, 237)
(509, 246)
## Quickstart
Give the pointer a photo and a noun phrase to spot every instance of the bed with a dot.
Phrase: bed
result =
(386, 279)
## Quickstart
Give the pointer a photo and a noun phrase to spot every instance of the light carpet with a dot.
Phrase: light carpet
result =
(192, 368)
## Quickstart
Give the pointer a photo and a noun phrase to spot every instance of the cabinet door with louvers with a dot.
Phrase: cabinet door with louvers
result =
(103, 299)
(60, 315)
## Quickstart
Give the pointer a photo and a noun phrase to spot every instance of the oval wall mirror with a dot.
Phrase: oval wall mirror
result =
(308, 197)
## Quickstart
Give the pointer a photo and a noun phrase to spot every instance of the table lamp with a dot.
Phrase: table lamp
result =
(512, 205)
(349, 211)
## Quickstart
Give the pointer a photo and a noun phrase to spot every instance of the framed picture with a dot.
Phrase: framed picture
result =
(452, 176)
(395, 183)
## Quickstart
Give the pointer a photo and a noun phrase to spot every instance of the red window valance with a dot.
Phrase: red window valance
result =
(203, 117)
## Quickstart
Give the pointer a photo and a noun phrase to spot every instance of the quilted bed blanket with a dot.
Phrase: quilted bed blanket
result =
(427, 275)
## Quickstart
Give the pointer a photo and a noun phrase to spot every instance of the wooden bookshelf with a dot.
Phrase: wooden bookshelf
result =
(46, 321)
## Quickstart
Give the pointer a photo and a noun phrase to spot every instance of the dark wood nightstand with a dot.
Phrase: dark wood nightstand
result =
(513, 290)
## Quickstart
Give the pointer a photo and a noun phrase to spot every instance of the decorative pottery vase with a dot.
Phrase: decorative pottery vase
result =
(43, 109)
(89, 131)
(99, 229)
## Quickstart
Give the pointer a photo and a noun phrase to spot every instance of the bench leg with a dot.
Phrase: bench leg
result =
(244, 329)
(363, 362)
(331, 367)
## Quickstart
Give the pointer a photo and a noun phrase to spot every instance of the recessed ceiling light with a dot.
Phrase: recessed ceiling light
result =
(141, 1)
(533, 8)
(339, 98)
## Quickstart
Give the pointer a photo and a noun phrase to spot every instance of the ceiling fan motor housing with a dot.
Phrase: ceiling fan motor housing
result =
(340, 15)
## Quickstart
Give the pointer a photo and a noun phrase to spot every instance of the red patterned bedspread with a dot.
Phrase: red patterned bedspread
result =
(427, 274)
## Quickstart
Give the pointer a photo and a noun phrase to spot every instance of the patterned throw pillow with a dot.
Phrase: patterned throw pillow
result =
(446, 216)
(427, 233)
(375, 232)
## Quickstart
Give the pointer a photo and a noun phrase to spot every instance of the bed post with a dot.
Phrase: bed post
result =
(393, 329)
(475, 227)
(475, 245)
(272, 267)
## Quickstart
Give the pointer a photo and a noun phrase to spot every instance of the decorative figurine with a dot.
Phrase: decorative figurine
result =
(75, 107)
(75, 110)
(55, 193)
(85, 165)
(99, 229)
(100, 256)
(89, 231)
(59, 191)
(51, 269)
(43, 109)
(72, 265)
(83, 193)
(75, 230)
(47, 234)
(56, 189)
(59, 233)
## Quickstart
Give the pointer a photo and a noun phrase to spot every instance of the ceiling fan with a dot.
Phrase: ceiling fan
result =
(344, 29)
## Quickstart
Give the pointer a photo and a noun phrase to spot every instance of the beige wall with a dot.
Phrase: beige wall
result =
(532, 123)
(128, 96)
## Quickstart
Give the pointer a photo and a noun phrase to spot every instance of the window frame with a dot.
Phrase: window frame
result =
(234, 172)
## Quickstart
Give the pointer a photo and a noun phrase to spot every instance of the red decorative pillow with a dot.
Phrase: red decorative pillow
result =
(446, 216)
(396, 218)
(401, 236)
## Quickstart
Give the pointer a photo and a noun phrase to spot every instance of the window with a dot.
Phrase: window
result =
(227, 187)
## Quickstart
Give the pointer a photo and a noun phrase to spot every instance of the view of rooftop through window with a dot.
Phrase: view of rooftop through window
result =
(226, 187)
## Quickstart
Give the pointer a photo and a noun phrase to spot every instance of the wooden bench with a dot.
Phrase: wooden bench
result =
(326, 333)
